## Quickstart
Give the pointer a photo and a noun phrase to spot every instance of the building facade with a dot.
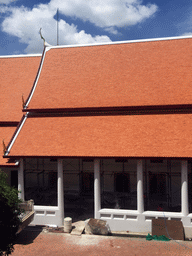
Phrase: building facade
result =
(106, 133)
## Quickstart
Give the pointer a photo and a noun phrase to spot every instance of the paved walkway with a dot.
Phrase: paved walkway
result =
(34, 242)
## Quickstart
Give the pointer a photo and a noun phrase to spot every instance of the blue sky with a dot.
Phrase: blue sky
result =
(89, 21)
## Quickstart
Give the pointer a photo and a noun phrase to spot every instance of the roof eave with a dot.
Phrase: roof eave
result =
(99, 157)
(175, 107)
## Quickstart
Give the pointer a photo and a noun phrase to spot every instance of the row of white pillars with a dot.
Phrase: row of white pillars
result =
(184, 187)
(97, 192)
(60, 188)
(140, 195)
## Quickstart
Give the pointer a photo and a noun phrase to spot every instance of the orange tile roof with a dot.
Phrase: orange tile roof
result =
(17, 77)
(5, 134)
(116, 75)
(106, 136)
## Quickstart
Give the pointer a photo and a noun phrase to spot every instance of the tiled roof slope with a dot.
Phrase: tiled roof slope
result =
(116, 75)
(16, 78)
(163, 135)
(5, 134)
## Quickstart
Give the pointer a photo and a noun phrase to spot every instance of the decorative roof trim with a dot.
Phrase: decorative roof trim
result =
(20, 56)
(16, 134)
(119, 42)
(36, 79)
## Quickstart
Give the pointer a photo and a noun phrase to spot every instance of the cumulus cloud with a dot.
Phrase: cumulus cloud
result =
(106, 13)
(25, 23)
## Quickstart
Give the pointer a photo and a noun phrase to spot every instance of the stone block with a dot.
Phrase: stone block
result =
(78, 228)
(96, 227)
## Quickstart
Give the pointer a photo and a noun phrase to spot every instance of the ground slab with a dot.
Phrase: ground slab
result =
(35, 242)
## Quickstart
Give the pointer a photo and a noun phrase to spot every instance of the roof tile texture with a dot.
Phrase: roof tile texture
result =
(117, 75)
(17, 76)
(5, 134)
(106, 136)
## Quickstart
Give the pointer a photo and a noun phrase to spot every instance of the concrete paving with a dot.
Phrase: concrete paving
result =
(32, 241)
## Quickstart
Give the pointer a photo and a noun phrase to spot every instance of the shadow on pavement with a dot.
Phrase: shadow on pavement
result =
(28, 235)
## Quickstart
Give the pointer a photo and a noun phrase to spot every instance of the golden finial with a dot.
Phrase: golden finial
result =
(4, 147)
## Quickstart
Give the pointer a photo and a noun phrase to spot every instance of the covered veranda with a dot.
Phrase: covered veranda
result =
(127, 193)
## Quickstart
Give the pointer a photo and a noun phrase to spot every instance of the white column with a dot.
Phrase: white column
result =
(184, 188)
(21, 194)
(97, 194)
(60, 192)
(140, 200)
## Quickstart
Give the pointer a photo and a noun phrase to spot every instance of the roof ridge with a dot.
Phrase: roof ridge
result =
(119, 42)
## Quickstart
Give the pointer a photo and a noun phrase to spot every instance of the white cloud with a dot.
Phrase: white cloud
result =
(106, 13)
(112, 30)
(25, 23)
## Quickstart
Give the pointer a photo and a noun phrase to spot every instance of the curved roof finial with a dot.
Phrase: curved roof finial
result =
(45, 43)
(41, 35)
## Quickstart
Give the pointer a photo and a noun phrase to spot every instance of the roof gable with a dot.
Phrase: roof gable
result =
(116, 75)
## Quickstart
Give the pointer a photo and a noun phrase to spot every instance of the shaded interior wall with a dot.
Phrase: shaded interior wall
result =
(175, 185)
(78, 188)
(71, 175)
(119, 183)
(40, 181)
(78, 176)
(162, 185)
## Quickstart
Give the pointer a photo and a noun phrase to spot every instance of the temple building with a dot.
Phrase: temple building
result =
(101, 130)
